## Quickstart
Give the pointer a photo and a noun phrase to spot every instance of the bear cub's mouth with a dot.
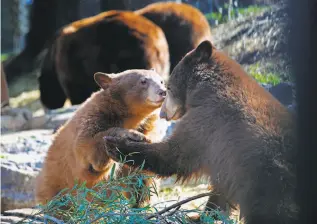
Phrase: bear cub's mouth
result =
(157, 102)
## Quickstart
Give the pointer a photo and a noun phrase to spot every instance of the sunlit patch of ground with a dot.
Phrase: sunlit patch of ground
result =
(24, 92)
(169, 193)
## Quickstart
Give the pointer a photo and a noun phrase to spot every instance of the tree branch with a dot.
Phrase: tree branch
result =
(179, 204)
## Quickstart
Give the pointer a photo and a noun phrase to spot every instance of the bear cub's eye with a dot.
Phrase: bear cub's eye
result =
(91, 169)
(143, 82)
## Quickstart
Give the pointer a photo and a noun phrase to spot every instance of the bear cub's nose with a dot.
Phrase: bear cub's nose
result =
(162, 93)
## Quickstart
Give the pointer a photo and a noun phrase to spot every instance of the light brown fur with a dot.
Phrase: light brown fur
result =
(78, 145)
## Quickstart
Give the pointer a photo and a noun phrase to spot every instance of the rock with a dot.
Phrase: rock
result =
(293, 108)
(266, 86)
(50, 121)
(26, 214)
(16, 119)
(22, 153)
(284, 92)
(16, 187)
(70, 109)
(10, 219)
(22, 156)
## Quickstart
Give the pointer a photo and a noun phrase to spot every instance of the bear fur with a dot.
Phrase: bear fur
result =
(230, 129)
(110, 42)
(184, 26)
(45, 17)
(126, 102)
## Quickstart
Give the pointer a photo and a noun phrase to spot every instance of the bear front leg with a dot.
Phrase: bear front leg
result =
(159, 158)
(182, 153)
(131, 134)
(93, 162)
(148, 125)
(124, 171)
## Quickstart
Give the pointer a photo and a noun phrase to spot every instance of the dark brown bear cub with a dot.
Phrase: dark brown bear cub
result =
(231, 129)
(78, 151)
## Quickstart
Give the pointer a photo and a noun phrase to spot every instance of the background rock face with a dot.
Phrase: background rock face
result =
(284, 92)
(22, 155)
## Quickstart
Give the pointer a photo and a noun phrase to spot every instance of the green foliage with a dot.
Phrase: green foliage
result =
(269, 78)
(251, 10)
(217, 16)
(167, 190)
(261, 77)
(106, 203)
(222, 17)
(4, 57)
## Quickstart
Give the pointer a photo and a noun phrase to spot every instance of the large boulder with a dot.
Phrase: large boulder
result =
(20, 119)
(22, 155)
(284, 92)
(25, 215)
(15, 119)
(23, 152)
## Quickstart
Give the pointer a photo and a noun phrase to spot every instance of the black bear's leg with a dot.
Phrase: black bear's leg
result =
(78, 92)
(52, 94)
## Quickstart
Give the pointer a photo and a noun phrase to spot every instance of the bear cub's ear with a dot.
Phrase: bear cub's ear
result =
(204, 50)
(103, 80)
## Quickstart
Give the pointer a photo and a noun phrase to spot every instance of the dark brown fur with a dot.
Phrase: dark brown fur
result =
(231, 129)
(110, 42)
(185, 27)
(45, 18)
(78, 151)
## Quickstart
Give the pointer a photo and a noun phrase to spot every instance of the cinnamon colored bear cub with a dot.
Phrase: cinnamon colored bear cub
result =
(125, 104)
(111, 42)
(230, 129)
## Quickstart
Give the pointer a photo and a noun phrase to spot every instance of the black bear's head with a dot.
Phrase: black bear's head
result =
(182, 79)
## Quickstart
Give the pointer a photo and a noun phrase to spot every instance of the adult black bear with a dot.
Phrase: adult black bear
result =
(47, 16)
(230, 129)
(110, 42)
